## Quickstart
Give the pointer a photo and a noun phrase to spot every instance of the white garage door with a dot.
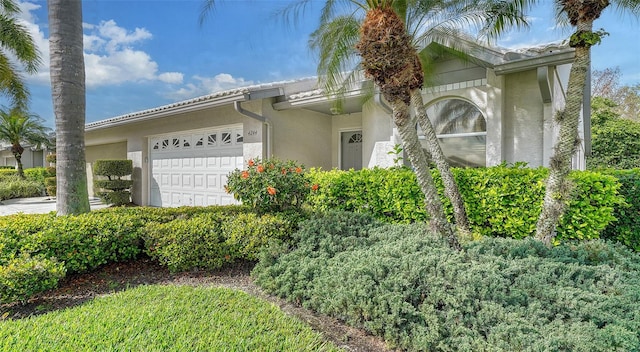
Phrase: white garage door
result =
(191, 167)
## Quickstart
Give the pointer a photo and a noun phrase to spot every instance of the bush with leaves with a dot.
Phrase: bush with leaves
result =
(16, 187)
(25, 276)
(406, 285)
(113, 190)
(270, 185)
(210, 240)
(626, 229)
(500, 201)
(51, 182)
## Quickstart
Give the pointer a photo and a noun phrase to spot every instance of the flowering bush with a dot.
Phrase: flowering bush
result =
(270, 185)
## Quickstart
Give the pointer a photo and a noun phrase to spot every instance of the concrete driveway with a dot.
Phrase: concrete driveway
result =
(37, 205)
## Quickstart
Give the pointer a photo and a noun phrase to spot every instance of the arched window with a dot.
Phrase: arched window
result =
(462, 131)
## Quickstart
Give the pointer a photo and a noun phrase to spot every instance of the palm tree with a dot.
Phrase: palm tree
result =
(68, 91)
(388, 39)
(581, 14)
(15, 43)
(17, 128)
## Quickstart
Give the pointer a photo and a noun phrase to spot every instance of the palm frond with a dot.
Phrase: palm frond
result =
(334, 42)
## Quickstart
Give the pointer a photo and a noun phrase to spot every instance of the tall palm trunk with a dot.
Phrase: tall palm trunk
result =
(450, 186)
(389, 59)
(418, 159)
(558, 188)
(68, 91)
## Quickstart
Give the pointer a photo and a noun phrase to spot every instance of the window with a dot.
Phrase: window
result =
(462, 131)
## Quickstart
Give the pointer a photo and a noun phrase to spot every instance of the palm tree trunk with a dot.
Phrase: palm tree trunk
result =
(418, 159)
(68, 91)
(17, 151)
(450, 186)
(558, 188)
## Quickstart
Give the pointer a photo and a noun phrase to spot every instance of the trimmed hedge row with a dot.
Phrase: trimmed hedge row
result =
(404, 284)
(208, 241)
(36, 250)
(626, 229)
(501, 201)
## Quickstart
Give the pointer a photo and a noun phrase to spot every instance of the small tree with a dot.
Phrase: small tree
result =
(113, 190)
(17, 127)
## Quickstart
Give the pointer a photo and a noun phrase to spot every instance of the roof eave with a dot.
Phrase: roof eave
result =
(562, 57)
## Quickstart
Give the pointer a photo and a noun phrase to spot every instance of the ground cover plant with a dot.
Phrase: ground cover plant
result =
(408, 286)
(164, 318)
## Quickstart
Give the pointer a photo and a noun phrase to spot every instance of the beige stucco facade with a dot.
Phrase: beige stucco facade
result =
(513, 96)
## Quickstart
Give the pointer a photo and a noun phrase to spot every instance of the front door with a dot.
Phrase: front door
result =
(351, 143)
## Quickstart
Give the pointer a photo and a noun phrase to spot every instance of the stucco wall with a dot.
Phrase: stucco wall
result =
(523, 122)
(104, 151)
(29, 158)
(301, 135)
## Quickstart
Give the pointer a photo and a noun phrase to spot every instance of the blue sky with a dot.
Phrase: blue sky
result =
(140, 54)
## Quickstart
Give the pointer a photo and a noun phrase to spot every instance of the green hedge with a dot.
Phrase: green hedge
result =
(501, 201)
(406, 285)
(37, 174)
(117, 168)
(23, 277)
(626, 229)
(183, 238)
(208, 241)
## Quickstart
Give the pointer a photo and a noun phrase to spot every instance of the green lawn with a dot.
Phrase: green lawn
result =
(164, 318)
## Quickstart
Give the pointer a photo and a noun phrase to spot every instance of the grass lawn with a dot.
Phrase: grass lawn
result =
(164, 318)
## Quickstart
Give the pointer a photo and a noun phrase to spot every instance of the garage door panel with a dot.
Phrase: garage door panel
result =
(193, 170)
(199, 181)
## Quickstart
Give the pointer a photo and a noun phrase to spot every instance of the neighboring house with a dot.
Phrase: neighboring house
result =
(31, 157)
(496, 107)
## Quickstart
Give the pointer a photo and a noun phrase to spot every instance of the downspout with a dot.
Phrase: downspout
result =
(237, 105)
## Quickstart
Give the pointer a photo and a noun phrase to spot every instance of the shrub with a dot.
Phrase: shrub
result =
(25, 276)
(115, 190)
(626, 229)
(208, 241)
(50, 181)
(7, 167)
(36, 174)
(500, 201)
(113, 168)
(7, 173)
(81, 242)
(15, 187)
(404, 284)
(270, 185)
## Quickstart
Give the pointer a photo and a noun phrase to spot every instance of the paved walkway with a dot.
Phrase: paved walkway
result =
(37, 205)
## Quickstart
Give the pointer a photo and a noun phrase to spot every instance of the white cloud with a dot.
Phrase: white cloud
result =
(207, 85)
(110, 54)
(171, 77)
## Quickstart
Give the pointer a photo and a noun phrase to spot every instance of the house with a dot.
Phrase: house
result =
(497, 106)
(31, 157)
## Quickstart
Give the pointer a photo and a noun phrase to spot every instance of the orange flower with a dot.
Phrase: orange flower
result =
(298, 170)
(315, 187)
(245, 174)
(284, 171)
(251, 162)
(260, 168)
(272, 191)
(226, 188)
